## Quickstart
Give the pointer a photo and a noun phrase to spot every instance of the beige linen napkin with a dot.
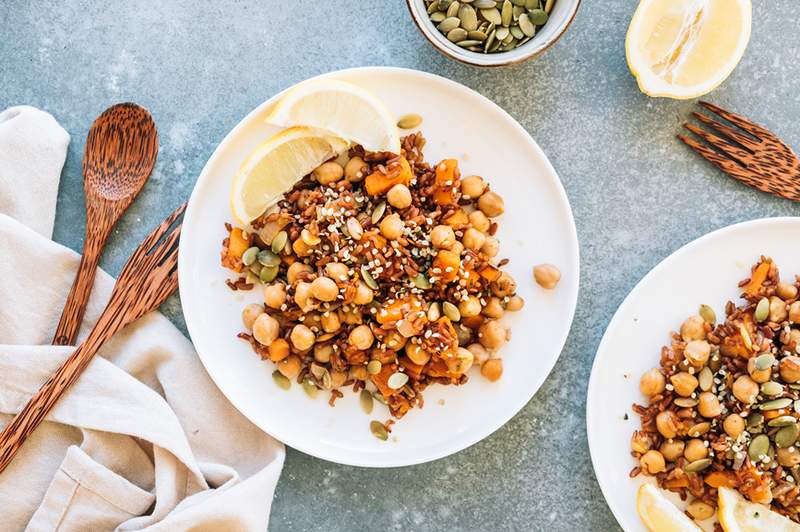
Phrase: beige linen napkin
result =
(144, 440)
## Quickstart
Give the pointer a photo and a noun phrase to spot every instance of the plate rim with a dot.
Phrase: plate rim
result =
(591, 428)
(562, 197)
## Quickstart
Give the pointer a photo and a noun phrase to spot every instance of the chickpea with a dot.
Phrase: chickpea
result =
(700, 510)
(399, 196)
(442, 237)
(278, 350)
(275, 295)
(358, 373)
(492, 334)
(503, 286)
(328, 173)
(494, 308)
(392, 226)
(777, 309)
(295, 269)
(640, 442)
(492, 369)
(417, 354)
(394, 340)
(790, 369)
(546, 275)
(364, 294)
(461, 362)
(330, 321)
(652, 462)
(302, 337)
(733, 425)
(266, 329)
(786, 291)
(337, 271)
(473, 186)
(250, 313)
(356, 169)
(791, 339)
(788, 456)
(745, 389)
(694, 328)
(759, 375)
(290, 366)
(491, 204)
(301, 248)
(303, 297)
(695, 450)
(491, 247)
(351, 317)
(672, 449)
(652, 383)
(480, 353)
(667, 423)
(457, 248)
(338, 378)
(684, 383)
(697, 353)
(473, 239)
(479, 221)
(324, 289)
(515, 303)
(361, 337)
(708, 405)
(794, 312)
(469, 307)
(322, 353)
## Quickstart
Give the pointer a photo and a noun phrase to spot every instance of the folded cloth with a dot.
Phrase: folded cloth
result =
(144, 440)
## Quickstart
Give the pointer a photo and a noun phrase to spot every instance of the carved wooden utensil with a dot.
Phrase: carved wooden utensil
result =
(120, 153)
(148, 278)
(752, 154)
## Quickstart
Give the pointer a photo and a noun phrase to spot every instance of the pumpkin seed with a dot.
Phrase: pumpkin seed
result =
(379, 397)
(378, 430)
(505, 13)
(755, 419)
(438, 16)
(464, 335)
(467, 43)
(518, 2)
(317, 370)
(433, 7)
(434, 311)
(409, 121)
(706, 379)
(279, 242)
(748, 343)
(377, 212)
(484, 4)
(354, 228)
(451, 311)
(492, 15)
(771, 388)
(775, 404)
(368, 279)
(699, 428)
(367, 402)
(797, 406)
(759, 446)
(249, 256)
(374, 367)
(448, 24)
(502, 33)
(397, 380)
(764, 361)
(516, 12)
(697, 465)
(532, 4)
(422, 282)
(489, 41)
(526, 25)
(250, 278)
(456, 35)
(267, 258)
(444, 4)
(452, 9)
(310, 388)
(548, 6)
(708, 314)
(468, 17)
(516, 32)
(782, 421)
(268, 274)
(762, 309)
(685, 402)
(476, 35)
(537, 16)
(255, 268)
(327, 380)
(787, 436)
(281, 380)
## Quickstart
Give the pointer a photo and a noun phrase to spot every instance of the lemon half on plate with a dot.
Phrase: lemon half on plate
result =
(685, 48)
(659, 514)
(737, 514)
(346, 110)
(275, 165)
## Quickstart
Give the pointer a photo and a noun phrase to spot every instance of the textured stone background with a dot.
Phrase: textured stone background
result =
(636, 192)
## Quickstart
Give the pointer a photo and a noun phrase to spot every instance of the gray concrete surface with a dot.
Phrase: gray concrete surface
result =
(636, 192)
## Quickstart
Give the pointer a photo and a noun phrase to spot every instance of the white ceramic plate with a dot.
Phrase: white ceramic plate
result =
(704, 271)
(537, 227)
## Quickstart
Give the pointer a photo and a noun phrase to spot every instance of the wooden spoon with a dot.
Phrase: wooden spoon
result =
(120, 153)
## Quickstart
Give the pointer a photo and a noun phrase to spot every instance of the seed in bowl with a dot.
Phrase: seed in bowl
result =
(380, 279)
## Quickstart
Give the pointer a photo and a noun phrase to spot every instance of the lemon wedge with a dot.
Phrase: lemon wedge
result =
(346, 110)
(659, 514)
(737, 514)
(685, 48)
(275, 165)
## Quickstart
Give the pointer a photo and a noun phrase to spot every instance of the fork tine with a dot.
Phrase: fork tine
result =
(156, 234)
(745, 140)
(751, 127)
(731, 150)
(724, 163)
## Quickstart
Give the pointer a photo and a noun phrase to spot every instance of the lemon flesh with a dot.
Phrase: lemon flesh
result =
(685, 48)
(659, 514)
(346, 110)
(737, 514)
(275, 165)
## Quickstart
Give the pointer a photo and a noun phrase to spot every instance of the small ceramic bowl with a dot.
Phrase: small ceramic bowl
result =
(560, 18)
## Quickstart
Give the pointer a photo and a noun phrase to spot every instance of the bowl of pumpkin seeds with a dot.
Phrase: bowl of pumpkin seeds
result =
(492, 32)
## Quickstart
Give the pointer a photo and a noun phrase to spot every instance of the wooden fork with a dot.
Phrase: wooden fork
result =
(752, 154)
(147, 279)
